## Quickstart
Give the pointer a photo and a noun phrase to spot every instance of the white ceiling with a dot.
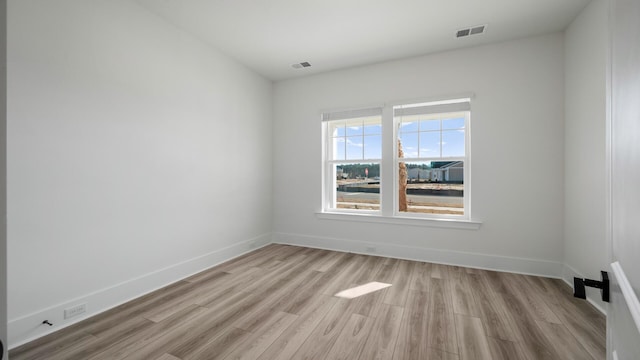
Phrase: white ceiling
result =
(270, 35)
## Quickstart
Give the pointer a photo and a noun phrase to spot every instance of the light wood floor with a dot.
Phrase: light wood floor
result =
(278, 303)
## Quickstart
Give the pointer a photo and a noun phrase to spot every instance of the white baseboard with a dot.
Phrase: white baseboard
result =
(29, 327)
(568, 273)
(449, 257)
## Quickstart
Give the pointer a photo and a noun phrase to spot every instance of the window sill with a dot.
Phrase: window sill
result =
(397, 220)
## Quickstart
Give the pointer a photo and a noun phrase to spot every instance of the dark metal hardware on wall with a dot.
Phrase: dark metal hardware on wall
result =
(603, 285)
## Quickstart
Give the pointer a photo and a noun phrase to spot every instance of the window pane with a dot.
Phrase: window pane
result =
(374, 129)
(457, 123)
(354, 147)
(354, 129)
(427, 125)
(409, 143)
(430, 144)
(453, 143)
(408, 126)
(338, 149)
(337, 128)
(373, 147)
(358, 186)
(432, 187)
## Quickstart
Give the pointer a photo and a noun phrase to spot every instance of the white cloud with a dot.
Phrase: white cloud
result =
(349, 142)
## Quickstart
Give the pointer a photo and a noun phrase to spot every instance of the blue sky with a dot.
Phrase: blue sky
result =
(432, 138)
(420, 138)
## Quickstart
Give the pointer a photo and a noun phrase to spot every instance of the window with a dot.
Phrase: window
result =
(353, 155)
(427, 170)
(431, 157)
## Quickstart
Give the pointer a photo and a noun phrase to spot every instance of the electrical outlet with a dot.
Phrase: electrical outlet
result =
(75, 310)
(371, 249)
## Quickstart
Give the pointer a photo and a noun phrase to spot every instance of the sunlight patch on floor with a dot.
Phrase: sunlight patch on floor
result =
(365, 289)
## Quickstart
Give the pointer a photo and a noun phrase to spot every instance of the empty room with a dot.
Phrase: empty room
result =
(338, 179)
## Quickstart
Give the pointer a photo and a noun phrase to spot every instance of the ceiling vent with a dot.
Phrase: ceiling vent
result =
(475, 30)
(301, 65)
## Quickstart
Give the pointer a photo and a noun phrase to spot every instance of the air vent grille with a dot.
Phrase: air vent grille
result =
(301, 65)
(474, 30)
(462, 33)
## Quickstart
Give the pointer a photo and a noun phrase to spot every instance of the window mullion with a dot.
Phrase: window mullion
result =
(387, 166)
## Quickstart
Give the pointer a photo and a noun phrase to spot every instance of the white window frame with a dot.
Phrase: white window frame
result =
(466, 173)
(389, 203)
(329, 175)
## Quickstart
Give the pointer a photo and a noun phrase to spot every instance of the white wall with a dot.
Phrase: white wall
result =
(136, 155)
(517, 169)
(585, 245)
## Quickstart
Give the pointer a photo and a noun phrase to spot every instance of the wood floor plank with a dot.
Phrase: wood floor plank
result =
(250, 259)
(303, 295)
(145, 341)
(411, 344)
(505, 350)
(197, 295)
(167, 357)
(472, 340)
(408, 343)
(327, 261)
(456, 272)
(397, 293)
(496, 281)
(255, 344)
(290, 272)
(69, 350)
(219, 347)
(369, 304)
(326, 333)
(382, 339)
(495, 319)
(229, 286)
(277, 298)
(418, 303)
(106, 320)
(278, 302)
(289, 252)
(345, 278)
(370, 270)
(586, 323)
(464, 302)
(538, 308)
(201, 333)
(441, 328)
(60, 344)
(206, 275)
(440, 271)
(58, 340)
(124, 331)
(387, 270)
(297, 333)
(352, 338)
(412, 340)
(563, 342)
(534, 343)
(420, 276)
